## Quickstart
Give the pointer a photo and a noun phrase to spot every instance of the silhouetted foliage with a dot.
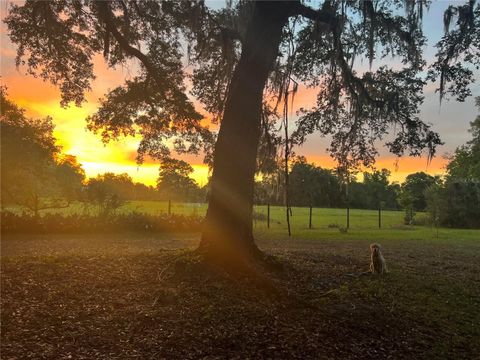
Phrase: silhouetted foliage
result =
(174, 182)
(458, 50)
(465, 163)
(103, 194)
(375, 191)
(313, 185)
(456, 202)
(414, 188)
(76, 223)
(34, 172)
(124, 186)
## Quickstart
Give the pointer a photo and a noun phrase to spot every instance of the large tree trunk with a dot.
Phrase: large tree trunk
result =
(228, 227)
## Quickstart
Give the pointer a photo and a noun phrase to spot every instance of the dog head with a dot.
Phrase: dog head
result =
(375, 248)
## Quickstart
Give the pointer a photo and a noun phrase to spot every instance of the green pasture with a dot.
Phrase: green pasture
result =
(321, 217)
(326, 223)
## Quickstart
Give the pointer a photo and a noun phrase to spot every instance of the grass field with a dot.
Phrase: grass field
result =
(144, 295)
(325, 222)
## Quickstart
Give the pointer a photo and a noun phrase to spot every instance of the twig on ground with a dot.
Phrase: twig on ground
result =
(359, 274)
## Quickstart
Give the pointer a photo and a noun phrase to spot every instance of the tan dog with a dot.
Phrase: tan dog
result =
(377, 261)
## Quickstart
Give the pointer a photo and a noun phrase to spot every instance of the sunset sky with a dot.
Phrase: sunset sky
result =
(40, 99)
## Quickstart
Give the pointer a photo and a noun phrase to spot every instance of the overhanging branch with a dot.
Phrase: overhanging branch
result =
(108, 18)
(322, 15)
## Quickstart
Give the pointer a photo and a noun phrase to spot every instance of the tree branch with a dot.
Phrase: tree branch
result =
(149, 17)
(108, 18)
(388, 22)
(327, 17)
(322, 15)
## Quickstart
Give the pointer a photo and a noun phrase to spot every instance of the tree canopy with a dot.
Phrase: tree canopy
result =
(465, 163)
(456, 202)
(414, 188)
(174, 182)
(319, 47)
(34, 172)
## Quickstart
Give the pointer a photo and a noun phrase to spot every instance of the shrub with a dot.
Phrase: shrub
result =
(58, 223)
(421, 220)
(342, 229)
(259, 216)
(456, 203)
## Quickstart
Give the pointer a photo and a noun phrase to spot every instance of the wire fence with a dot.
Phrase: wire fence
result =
(265, 216)
(273, 216)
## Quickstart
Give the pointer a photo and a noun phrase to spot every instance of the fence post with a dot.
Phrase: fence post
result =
(268, 216)
(348, 217)
(169, 207)
(379, 216)
(310, 220)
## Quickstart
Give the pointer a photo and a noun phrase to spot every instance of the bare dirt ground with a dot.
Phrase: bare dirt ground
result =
(145, 296)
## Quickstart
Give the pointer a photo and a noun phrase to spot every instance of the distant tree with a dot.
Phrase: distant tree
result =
(69, 176)
(457, 202)
(101, 193)
(144, 192)
(435, 204)
(376, 184)
(124, 186)
(270, 188)
(312, 185)
(34, 172)
(415, 186)
(406, 200)
(120, 184)
(244, 58)
(465, 163)
(358, 197)
(391, 201)
(375, 190)
(174, 182)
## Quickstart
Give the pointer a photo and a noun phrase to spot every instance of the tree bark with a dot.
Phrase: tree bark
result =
(228, 226)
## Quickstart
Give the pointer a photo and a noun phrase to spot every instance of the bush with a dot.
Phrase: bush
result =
(58, 223)
(455, 204)
(421, 220)
(259, 216)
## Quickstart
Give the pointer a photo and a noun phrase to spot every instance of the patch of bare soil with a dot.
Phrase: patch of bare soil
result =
(168, 304)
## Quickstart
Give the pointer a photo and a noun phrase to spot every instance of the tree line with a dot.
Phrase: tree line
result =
(311, 185)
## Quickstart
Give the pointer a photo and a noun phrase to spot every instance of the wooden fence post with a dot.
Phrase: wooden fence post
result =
(268, 216)
(310, 220)
(348, 217)
(379, 216)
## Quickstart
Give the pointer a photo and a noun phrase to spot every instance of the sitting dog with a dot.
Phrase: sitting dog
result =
(377, 261)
